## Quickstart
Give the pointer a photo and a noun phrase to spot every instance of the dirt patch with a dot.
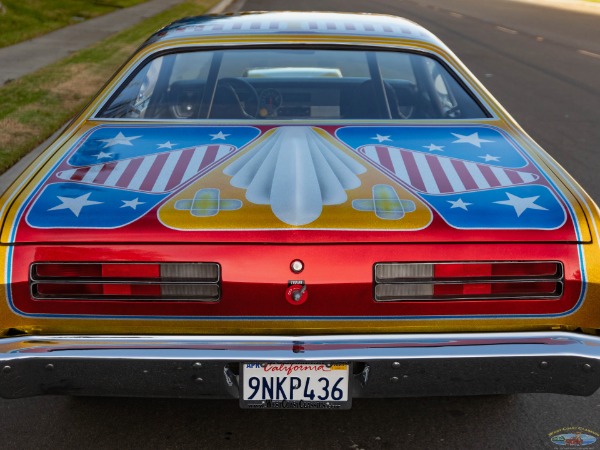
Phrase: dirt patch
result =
(13, 133)
(81, 82)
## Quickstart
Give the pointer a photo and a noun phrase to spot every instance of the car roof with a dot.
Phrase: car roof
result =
(258, 24)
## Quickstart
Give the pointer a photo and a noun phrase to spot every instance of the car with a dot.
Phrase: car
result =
(296, 210)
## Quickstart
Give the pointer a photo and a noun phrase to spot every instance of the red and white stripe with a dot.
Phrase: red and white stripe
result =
(158, 172)
(435, 174)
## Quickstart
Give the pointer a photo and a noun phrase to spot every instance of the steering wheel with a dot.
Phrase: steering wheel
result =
(245, 95)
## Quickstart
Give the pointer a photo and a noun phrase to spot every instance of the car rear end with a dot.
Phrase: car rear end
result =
(299, 260)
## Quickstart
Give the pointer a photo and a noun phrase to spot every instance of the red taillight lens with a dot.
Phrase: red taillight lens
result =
(53, 290)
(486, 289)
(131, 271)
(67, 270)
(126, 281)
(495, 270)
(468, 281)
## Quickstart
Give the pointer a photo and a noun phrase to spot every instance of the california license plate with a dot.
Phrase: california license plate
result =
(295, 386)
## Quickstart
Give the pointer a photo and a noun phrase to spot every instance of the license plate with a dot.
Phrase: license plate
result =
(295, 386)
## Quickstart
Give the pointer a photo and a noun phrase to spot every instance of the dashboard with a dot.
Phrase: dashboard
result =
(298, 102)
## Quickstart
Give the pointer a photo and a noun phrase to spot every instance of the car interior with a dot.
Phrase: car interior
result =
(293, 84)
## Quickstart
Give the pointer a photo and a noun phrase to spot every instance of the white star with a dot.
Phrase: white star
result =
(459, 204)
(488, 158)
(219, 135)
(102, 155)
(119, 139)
(133, 204)
(521, 204)
(74, 204)
(434, 148)
(472, 139)
(379, 138)
(167, 144)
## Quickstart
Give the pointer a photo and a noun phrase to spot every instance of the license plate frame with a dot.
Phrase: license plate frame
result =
(284, 380)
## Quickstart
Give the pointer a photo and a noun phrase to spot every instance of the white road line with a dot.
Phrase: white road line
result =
(506, 30)
(586, 53)
(457, 15)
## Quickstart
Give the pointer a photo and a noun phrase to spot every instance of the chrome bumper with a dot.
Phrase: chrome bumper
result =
(382, 365)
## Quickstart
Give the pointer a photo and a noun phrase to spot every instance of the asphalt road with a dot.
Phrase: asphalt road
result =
(543, 65)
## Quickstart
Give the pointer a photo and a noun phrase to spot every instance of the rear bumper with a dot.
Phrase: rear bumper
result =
(382, 365)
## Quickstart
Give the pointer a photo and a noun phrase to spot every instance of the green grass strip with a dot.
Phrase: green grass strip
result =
(35, 106)
(25, 19)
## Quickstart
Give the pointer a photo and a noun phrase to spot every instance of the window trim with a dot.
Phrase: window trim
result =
(219, 49)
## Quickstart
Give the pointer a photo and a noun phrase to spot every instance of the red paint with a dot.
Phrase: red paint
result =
(152, 174)
(439, 174)
(129, 172)
(465, 175)
(255, 279)
(104, 172)
(180, 168)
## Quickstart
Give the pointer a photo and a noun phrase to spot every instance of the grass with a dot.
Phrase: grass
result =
(21, 20)
(35, 106)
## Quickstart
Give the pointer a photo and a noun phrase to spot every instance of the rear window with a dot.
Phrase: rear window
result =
(292, 84)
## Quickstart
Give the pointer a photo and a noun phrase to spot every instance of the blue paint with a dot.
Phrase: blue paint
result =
(146, 140)
(74, 205)
(482, 210)
(421, 139)
(528, 205)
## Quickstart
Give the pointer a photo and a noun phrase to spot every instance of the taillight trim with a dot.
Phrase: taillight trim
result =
(213, 284)
(557, 278)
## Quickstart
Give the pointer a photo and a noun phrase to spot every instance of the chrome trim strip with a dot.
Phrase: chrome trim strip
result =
(208, 366)
(316, 348)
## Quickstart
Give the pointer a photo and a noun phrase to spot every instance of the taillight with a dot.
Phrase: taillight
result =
(468, 281)
(125, 281)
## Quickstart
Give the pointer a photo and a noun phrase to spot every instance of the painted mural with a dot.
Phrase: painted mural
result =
(243, 178)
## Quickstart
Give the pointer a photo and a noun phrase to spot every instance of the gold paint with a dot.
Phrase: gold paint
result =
(253, 216)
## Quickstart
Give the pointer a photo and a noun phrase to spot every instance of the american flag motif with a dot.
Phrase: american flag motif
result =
(433, 174)
(155, 173)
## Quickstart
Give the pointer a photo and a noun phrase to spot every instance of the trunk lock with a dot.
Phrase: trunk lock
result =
(296, 292)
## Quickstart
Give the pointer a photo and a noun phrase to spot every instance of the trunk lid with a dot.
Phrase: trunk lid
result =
(296, 183)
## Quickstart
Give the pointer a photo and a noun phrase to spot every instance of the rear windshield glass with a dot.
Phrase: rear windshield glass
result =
(292, 84)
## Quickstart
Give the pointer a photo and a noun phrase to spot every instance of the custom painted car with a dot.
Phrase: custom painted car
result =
(295, 210)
